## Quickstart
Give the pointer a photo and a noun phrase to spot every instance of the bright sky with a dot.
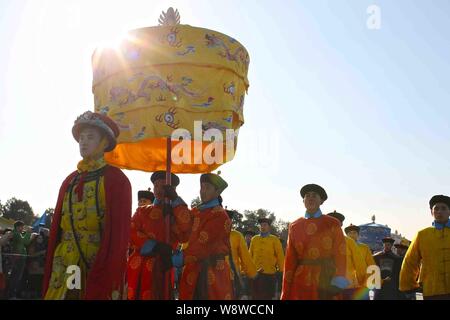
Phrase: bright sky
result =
(362, 112)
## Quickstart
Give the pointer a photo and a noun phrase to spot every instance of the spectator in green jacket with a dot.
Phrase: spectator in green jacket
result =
(20, 241)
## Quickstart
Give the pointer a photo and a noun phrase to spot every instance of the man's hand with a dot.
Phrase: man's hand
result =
(148, 248)
(333, 290)
(411, 294)
(258, 273)
(178, 259)
(169, 192)
(387, 279)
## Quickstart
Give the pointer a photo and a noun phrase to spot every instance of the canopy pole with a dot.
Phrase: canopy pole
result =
(167, 214)
(169, 160)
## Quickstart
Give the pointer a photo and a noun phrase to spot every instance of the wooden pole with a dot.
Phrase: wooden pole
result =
(167, 276)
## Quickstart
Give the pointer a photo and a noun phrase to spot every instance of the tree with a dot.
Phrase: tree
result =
(16, 209)
(237, 222)
(249, 221)
(1, 209)
(282, 229)
(252, 216)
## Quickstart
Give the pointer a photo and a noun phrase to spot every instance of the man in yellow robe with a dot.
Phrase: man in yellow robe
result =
(429, 255)
(356, 271)
(401, 248)
(91, 224)
(268, 256)
(243, 263)
(352, 232)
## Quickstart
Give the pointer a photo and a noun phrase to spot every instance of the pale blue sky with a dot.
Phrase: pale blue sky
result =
(361, 112)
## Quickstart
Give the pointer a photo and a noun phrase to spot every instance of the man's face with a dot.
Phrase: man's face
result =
(264, 227)
(20, 228)
(401, 251)
(144, 202)
(440, 212)
(158, 189)
(39, 239)
(387, 246)
(89, 141)
(208, 192)
(353, 234)
(312, 201)
(248, 238)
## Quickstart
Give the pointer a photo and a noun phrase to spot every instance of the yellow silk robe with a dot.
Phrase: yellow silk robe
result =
(267, 254)
(241, 256)
(356, 269)
(431, 249)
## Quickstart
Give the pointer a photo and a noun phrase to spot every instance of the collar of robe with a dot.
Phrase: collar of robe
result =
(314, 215)
(440, 226)
(88, 165)
(210, 204)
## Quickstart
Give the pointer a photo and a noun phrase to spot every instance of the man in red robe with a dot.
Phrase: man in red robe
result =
(207, 274)
(149, 266)
(145, 198)
(315, 263)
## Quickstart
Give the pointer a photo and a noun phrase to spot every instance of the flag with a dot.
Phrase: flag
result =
(40, 222)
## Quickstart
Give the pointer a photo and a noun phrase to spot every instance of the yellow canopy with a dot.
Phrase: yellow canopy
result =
(165, 78)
